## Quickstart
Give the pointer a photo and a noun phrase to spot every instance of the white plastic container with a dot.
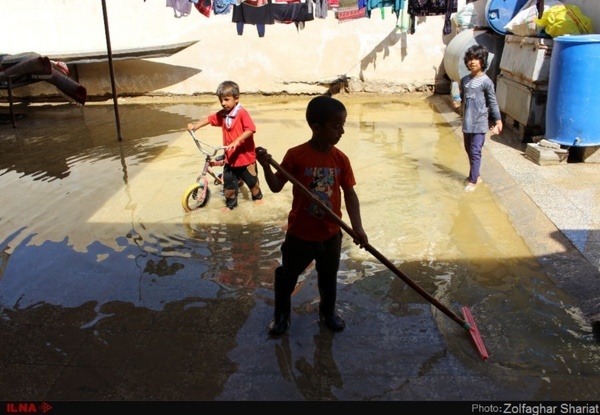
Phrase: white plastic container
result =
(527, 58)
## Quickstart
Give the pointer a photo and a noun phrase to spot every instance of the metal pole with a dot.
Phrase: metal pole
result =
(112, 71)
(10, 101)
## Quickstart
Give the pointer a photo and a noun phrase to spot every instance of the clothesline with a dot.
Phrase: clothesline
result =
(266, 12)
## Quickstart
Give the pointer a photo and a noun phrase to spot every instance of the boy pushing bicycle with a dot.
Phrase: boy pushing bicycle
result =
(238, 136)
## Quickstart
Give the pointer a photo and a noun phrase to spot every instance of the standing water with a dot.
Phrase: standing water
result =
(109, 290)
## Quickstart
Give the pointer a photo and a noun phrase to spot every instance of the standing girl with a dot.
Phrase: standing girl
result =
(480, 110)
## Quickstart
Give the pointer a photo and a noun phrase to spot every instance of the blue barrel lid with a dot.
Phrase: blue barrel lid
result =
(578, 38)
(499, 12)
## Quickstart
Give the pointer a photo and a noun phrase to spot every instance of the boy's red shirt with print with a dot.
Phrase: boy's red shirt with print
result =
(325, 175)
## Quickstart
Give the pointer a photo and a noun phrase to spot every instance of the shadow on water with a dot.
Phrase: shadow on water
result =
(80, 134)
(109, 291)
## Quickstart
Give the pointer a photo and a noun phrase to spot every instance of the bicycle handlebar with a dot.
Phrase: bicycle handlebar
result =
(200, 143)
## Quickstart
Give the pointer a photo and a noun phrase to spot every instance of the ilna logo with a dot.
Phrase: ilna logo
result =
(27, 408)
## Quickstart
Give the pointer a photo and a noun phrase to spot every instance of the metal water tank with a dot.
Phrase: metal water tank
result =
(454, 63)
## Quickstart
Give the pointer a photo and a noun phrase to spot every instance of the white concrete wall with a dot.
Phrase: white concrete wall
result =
(372, 52)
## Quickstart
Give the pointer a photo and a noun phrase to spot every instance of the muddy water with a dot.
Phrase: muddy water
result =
(89, 220)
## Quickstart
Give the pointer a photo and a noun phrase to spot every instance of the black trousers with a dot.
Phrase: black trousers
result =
(297, 254)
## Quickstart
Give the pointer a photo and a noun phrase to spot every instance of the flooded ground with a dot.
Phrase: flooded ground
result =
(110, 291)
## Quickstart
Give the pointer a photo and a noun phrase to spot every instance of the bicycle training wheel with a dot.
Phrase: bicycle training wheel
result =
(195, 197)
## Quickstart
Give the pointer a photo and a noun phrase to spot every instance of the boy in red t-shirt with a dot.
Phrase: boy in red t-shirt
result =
(238, 136)
(312, 234)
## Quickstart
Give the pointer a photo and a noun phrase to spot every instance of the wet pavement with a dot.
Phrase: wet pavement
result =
(175, 306)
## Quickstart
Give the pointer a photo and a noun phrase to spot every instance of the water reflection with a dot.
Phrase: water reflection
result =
(93, 233)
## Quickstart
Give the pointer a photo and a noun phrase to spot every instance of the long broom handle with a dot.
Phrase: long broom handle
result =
(371, 249)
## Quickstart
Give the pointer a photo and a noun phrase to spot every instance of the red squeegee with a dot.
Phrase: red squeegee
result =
(475, 333)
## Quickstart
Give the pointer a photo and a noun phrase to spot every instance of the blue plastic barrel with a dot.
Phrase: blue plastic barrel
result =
(573, 102)
(499, 13)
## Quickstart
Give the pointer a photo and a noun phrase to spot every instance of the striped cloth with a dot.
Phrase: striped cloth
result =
(350, 14)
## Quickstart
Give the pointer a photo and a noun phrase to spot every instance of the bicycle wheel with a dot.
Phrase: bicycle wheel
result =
(196, 196)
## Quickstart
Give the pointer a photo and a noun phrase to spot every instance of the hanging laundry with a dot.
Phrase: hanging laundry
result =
(222, 6)
(181, 8)
(346, 14)
(404, 21)
(293, 11)
(257, 12)
(260, 29)
(431, 8)
(451, 7)
(321, 7)
(204, 7)
(396, 6)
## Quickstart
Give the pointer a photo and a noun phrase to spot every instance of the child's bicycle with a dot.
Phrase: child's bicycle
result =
(198, 195)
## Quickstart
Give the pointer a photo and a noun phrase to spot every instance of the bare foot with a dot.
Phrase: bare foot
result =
(470, 187)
